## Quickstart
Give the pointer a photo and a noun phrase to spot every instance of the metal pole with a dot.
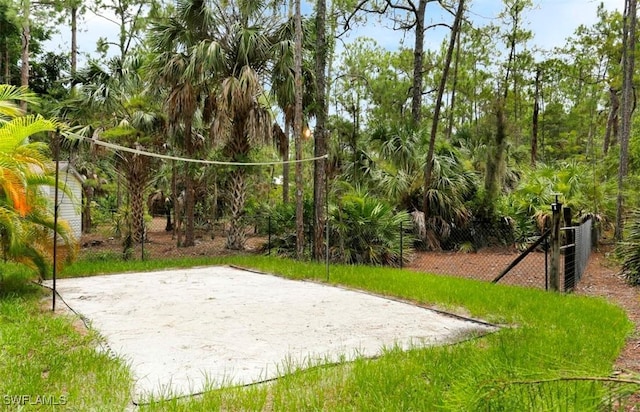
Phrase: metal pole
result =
(269, 230)
(570, 252)
(269, 203)
(326, 215)
(401, 245)
(554, 278)
(56, 149)
(144, 233)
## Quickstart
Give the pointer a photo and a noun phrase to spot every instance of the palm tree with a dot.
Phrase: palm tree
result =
(398, 174)
(26, 218)
(215, 58)
(124, 114)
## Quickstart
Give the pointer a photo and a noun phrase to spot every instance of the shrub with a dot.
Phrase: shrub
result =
(365, 230)
(629, 251)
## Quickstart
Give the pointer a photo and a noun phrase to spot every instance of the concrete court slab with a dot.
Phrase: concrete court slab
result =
(183, 329)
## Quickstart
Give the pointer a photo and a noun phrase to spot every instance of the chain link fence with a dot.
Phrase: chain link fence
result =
(488, 263)
(483, 252)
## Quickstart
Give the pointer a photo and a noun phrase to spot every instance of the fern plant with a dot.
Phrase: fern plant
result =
(629, 250)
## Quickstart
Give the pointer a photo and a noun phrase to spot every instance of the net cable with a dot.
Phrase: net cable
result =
(201, 161)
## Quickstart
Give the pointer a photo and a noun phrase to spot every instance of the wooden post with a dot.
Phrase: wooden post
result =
(554, 272)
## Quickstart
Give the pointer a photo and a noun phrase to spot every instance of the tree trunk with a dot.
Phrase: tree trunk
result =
(436, 113)
(74, 39)
(454, 87)
(286, 167)
(418, 55)
(177, 209)
(189, 191)
(236, 236)
(7, 67)
(495, 162)
(320, 149)
(26, 41)
(137, 179)
(612, 121)
(86, 208)
(297, 131)
(534, 122)
(627, 106)
(137, 210)
(189, 207)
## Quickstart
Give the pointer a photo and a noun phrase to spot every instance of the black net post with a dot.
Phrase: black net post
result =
(546, 263)
(326, 214)
(570, 252)
(401, 245)
(56, 153)
(554, 273)
(269, 235)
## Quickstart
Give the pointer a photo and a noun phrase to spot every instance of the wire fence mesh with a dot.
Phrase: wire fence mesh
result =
(487, 263)
(482, 253)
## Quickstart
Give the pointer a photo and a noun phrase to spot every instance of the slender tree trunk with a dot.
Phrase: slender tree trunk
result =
(320, 137)
(4, 61)
(137, 209)
(612, 121)
(454, 87)
(74, 39)
(26, 41)
(495, 163)
(86, 208)
(436, 113)
(534, 123)
(286, 167)
(297, 131)
(7, 68)
(418, 64)
(627, 106)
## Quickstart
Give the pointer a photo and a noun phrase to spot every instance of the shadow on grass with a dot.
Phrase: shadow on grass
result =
(17, 281)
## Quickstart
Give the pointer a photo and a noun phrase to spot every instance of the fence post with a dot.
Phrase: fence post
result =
(570, 252)
(554, 273)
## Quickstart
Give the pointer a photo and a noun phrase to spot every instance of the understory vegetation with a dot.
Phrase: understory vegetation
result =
(552, 352)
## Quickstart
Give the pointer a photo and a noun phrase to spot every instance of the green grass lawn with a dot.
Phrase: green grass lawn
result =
(547, 357)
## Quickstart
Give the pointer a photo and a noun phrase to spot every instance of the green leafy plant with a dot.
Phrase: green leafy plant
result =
(368, 231)
(629, 251)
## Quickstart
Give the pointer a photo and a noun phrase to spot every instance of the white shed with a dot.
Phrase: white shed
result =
(70, 207)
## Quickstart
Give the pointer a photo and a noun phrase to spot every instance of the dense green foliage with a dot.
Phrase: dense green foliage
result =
(629, 251)
(518, 126)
